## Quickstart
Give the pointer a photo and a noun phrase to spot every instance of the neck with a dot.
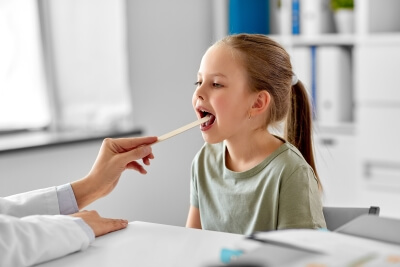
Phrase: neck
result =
(249, 151)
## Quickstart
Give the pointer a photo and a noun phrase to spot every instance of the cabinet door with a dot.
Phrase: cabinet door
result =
(377, 73)
(378, 125)
(379, 145)
(335, 160)
(378, 159)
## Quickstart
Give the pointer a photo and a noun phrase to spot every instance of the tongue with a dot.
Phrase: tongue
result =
(210, 121)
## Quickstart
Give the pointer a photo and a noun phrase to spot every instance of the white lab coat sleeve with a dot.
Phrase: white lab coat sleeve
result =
(41, 201)
(39, 238)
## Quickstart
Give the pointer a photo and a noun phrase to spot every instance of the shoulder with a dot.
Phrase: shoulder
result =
(292, 163)
(288, 155)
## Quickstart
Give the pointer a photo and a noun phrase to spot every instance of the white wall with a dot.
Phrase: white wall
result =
(167, 41)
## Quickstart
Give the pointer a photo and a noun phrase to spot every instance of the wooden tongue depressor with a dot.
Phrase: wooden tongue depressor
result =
(182, 129)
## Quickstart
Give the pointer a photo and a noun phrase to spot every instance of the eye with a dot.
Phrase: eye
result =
(217, 85)
(197, 83)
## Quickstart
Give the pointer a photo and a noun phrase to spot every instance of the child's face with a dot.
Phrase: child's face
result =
(222, 91)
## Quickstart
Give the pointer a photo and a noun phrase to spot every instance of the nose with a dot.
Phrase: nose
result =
(199, 93)
(197, 96)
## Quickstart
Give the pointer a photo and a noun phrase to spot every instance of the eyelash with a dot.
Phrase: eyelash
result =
(216, 85)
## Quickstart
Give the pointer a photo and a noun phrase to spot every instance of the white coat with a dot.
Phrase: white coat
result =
(32, 231)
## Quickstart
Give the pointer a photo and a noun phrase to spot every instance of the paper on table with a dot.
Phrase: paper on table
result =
(340, 249)
(182, 129)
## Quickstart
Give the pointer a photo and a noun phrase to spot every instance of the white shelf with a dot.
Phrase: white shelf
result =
(379, 39)
(338, 39)
(316, 40)
(325, 39)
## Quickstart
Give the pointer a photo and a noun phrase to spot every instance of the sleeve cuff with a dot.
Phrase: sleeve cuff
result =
(85, 227)
(66, 199)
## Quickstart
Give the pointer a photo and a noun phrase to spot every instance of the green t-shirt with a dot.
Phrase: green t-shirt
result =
(279, 193)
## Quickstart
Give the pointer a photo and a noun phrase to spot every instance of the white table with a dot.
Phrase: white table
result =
(148, 244)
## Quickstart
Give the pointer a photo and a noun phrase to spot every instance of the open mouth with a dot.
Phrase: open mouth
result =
(204, 113)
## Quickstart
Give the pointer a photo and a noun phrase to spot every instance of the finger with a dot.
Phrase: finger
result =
(133, 142)
(137, 153)
(136, 166)
(146, 160)
(118, 224)
(111, 225)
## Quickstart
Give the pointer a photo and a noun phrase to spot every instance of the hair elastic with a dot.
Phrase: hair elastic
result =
(294, 79)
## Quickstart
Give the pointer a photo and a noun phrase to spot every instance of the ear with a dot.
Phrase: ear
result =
(261, 103)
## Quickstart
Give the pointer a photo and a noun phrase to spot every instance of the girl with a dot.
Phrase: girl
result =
(244, 178)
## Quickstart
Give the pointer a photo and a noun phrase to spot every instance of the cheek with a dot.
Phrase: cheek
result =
(222, 105)
(231, 107)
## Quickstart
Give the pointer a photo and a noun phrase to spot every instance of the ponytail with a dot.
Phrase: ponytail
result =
(299, 125)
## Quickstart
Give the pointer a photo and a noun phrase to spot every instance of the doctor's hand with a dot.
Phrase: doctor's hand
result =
(100, 225)
(114, 157)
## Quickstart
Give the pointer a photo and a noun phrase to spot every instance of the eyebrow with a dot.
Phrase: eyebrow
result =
(214, 74)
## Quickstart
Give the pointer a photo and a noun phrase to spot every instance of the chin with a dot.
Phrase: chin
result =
(208, 139)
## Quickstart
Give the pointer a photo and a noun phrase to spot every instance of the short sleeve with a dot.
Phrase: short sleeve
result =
(300, 203)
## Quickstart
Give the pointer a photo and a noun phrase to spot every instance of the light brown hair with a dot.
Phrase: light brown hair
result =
(269, 68)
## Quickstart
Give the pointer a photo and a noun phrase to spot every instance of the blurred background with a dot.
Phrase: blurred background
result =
(73, 72)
